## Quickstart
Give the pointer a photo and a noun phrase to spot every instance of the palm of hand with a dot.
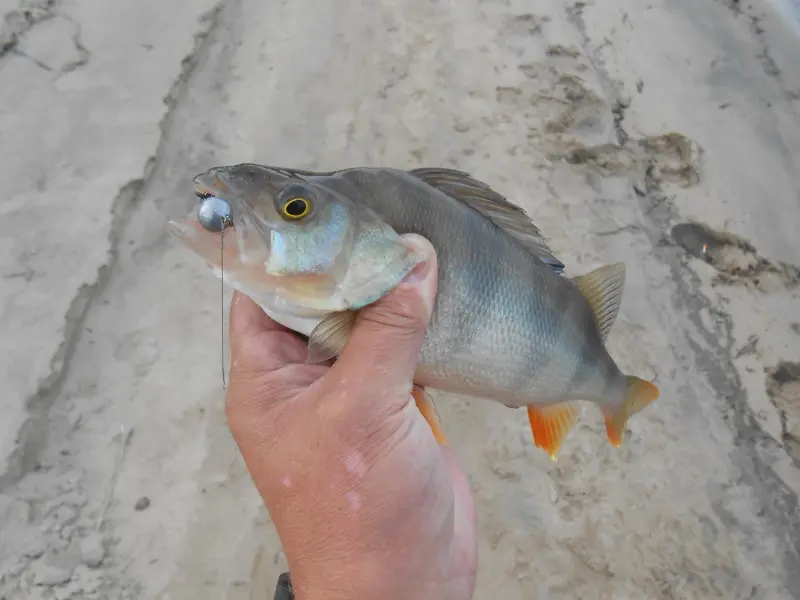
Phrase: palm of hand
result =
(362, 497)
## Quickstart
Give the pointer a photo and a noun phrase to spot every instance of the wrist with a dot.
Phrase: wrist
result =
(331, 583)
(347, 581)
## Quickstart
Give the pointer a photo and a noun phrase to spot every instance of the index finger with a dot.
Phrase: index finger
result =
(248, 316)
(259, 343)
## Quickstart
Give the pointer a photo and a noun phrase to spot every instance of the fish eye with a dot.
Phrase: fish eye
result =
(296, 208)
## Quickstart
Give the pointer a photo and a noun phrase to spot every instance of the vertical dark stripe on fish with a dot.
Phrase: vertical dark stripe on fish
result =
(613, 380)
(476, 283)
(573, 326)
(586, 369)
(521, 364)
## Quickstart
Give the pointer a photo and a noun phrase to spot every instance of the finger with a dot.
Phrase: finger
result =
(247, 316)
(388, 334)
(258, 343)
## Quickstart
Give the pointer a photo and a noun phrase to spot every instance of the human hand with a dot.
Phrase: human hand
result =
(365, 501)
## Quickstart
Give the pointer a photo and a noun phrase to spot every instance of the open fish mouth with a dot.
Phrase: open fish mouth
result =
(203, 191)
(219, 249)
(210, 183)
(238, 253)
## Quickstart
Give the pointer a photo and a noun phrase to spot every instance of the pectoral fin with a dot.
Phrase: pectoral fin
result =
(329, 337)
(550, 425)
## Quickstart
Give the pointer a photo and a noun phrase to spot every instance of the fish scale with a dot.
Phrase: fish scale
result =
(484, 294)
(507, 324)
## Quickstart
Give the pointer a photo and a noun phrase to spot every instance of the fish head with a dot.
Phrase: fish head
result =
(282, 236)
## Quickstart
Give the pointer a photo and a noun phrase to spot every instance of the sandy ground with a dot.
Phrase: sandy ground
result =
(665, 134)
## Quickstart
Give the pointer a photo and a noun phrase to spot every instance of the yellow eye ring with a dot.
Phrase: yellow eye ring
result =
(296, 208)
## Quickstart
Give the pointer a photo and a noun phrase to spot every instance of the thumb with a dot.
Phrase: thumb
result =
(387, 335)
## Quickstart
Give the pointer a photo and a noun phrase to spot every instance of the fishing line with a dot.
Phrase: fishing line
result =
(222, 304)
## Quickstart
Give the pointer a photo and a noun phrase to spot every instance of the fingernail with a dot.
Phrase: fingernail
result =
(423, 275)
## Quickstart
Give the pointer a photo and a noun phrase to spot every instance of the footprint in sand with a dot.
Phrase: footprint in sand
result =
(139, 350)
(734, 258)
(783, 388)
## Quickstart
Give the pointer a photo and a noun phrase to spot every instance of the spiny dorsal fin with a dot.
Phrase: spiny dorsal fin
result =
(512, 219)
(603, 289)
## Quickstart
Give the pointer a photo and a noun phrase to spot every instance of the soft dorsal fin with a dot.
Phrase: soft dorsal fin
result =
(603, 290)
(512, 219)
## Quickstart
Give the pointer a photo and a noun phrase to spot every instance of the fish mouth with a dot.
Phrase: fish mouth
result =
(209, 183)
(203, 192)
(191, 233)
(240, 259)
(246, 219)
(244, 242)
(188, 228)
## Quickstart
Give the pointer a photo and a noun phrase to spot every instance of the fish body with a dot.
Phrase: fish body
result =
(507, 324)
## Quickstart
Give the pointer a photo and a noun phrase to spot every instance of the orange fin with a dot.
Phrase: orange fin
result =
(425, 407)
(551, 424)
(640, 393)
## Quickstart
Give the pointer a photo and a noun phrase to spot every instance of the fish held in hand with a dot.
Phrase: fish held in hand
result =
(312, 248)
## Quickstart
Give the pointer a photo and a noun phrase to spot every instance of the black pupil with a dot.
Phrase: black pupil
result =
(295, 208)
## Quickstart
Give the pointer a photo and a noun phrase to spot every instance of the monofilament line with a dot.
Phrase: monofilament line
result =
(222, 303)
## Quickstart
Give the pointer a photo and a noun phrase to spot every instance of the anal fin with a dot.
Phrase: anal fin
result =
(551, 424)
(425, 406)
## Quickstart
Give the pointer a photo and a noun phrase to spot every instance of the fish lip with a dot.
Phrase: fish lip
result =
(245, 220)
(213, 182)
(220, 182)
(203, 191)
(210, 183)
(182, 230)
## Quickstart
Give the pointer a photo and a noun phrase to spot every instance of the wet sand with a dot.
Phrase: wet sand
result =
(664, 134)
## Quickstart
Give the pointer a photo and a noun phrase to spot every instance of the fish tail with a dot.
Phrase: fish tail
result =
(638, 394)
(602, 289)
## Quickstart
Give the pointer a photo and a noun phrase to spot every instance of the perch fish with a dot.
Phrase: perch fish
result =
(312, 248)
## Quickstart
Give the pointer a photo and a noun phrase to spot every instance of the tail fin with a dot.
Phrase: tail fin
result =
(640, 393)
